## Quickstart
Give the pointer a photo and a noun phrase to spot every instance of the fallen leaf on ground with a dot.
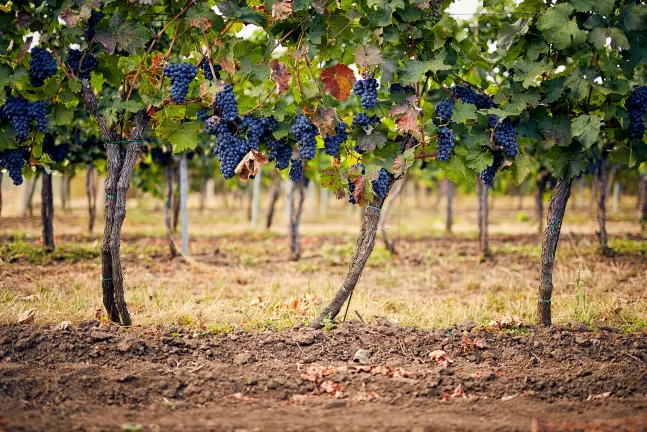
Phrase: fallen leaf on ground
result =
(441, 358)
(27, 317)
(507, 322)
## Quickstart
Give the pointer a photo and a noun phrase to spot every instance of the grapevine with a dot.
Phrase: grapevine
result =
(305, 133)
(366, 89)
(181, 75)
(332, 143)
(226, 102)
(446, 140)
(296, 170)
(637, 107)
(381, 184)
(89, 63)
(13, 160)
(487, 175)
(41, 66)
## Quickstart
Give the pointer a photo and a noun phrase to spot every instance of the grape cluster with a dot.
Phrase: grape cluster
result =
(181, 75)
(214, 126)
(20, 114)
(381, 184)
(444, 111)
(89, 63)
(332, 143)
(467, 95)
(305, 133)
(41, 66)
(203, 114)
(364, 121)
(93, 22)
(230, 150)
(637, 106)
(279, 151)
(366, 89)
(206, 69)
(254, 128)
(14, 161)
(446, 140)
(226, 102)
(160, 156)
(487, 175)
(397, 87)
(434, 7)
(296, 170)
(56, 153)
(505, 135)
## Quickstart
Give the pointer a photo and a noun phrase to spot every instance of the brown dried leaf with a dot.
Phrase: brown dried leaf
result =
(281, 10)
(250, 165)
(228, 65)
(27, 316)
(332, 388)
(325, 119)
(441, 358)
(360, 189)
(200, 22)
(368, 55)
(405, 117)
(280, 75)
(338, 81)
(25, 47)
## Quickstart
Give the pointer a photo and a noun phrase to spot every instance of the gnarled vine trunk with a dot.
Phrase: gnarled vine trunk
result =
(482, 191)
(296, 209)
(542, 180)
(601, 178)
(274, 197)
(390, 244)
(47, 211)
(91, 191)
(643, 200)
(363, 248)
(556, 210)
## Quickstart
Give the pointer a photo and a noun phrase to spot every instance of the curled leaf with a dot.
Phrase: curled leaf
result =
(250, 165)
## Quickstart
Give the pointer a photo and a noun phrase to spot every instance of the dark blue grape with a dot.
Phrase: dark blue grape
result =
(467, 95)
(181, 75)
(13, 161)
(229, 150)
(637, 107)
(305, 133)
(366, 89)
(505, 135)
(397, 87)
(206, 69)
(226, 102)
(444, 111)
(215, 126)
(487, 175)
(57, 153)
(20, 114)
(254, 130)
(41, 66)
(89, 63)
(279, 151)
(203, 114)
(381, 184)
(364, 121)
(332, 143)
(296, 170)
(446, 139)
(93, 22)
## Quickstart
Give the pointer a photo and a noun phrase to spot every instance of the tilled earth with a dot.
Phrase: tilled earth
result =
(99, 377)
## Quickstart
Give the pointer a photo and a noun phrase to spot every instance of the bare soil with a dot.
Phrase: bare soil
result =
(99, 377)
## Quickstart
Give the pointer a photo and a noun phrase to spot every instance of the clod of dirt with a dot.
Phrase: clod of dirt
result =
(361, 356)
(242, 358)
(64, 325)
(99, 336)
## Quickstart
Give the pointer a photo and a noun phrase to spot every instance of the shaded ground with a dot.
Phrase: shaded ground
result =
(96, 377)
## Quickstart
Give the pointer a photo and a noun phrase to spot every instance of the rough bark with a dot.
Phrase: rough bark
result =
(91, 191)
(643, 201)
(0, 193)
(30, 195)
(601, 178)
(556, 210)
(47, 211)
(449, 191)
(363, 248)
(542, 180)
(296, 210)
(168, 171)
(484, 247)
(390, 244)
(274, 197)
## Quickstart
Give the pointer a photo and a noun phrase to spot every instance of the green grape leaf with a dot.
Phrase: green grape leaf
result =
(456, 170)
(598, 37)
(182, 136)
(511, 32)
(520, 168)
(605, 7)
(587, 129)
(463, 112)
(634, 17)
(528, 72)
(478, 160)
(558, 29)
(63, 116)
(414, 69)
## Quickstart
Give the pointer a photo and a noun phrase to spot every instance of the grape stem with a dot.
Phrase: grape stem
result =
(261, 102)
(206, 39)
(153, 42)
(85, 52)
(426, 156)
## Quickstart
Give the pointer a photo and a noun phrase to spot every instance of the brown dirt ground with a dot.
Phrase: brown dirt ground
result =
(98, 377)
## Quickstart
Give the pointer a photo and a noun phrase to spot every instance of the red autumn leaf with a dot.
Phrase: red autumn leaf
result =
(338, 81)
(280, 75)
(406, 116)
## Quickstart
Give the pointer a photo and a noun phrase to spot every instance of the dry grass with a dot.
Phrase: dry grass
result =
(242, 278)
